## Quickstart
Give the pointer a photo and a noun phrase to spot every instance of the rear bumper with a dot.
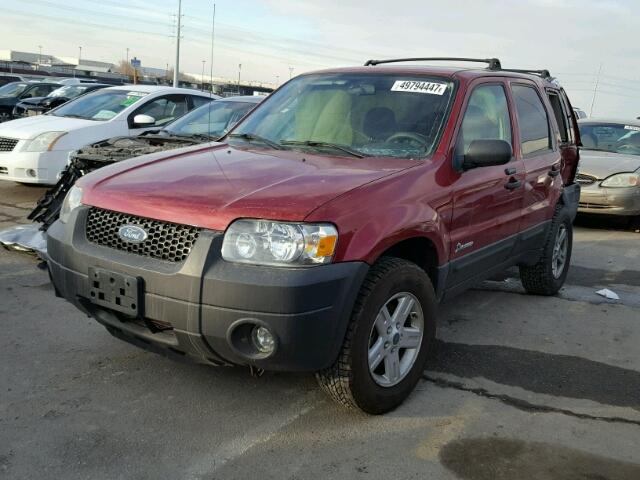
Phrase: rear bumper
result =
(610, 201)
(206, 300)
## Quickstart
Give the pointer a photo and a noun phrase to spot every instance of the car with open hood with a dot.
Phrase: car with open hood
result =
(610, 167)
(321, 232)
(36, 149)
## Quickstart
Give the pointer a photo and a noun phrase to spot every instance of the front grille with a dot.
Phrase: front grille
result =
(583, 179)
(7, 144)
(165, 241)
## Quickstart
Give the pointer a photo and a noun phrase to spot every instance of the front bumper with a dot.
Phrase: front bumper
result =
(609, 201)
(205, 299)
(32, 167)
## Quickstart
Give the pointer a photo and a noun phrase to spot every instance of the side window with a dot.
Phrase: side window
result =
(533, 123)
(199, 101)
(165, 109)
(559, 114)
(486, 117)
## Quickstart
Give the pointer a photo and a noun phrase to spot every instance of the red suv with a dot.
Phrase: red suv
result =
(320, 234)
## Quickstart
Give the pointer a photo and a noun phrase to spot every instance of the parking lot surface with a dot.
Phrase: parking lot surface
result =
(519, 387)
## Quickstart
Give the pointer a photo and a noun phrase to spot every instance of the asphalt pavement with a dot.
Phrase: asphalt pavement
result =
(519, 387)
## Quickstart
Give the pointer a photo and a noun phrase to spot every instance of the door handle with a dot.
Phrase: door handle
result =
(555, 170)
(512, 184)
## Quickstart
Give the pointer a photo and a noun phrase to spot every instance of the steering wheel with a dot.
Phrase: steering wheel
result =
(407, 137)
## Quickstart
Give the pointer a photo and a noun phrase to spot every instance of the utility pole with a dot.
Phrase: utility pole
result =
(239, 70)
(202, 76)
(595, 91)
(213, 32)
(177, 67)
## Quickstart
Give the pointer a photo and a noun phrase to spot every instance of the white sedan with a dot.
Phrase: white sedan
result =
(36, 149)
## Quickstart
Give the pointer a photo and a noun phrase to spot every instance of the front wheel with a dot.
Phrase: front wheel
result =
(387, 341)
(548, 275)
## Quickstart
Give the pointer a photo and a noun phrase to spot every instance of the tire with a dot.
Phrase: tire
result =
(391, 283)
(542, 278)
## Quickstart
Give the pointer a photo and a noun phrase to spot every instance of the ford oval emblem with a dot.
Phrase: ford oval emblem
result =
(132, 234)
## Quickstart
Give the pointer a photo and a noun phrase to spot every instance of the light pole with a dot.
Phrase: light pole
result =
(79, 55)
(202, 76)
(177, 67)
(213, 32)
(239, 70)
(290, 72)
(39, 56)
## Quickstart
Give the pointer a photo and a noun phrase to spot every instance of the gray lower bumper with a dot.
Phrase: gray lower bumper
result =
(204, 298)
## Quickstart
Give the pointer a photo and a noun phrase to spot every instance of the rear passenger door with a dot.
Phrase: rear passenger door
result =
(487, 201)
(540, 153)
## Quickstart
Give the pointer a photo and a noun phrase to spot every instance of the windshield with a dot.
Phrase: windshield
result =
(213, 119)
(12, 89)
(102, 105)
(611, 137)
(69, 91)
(361, 114)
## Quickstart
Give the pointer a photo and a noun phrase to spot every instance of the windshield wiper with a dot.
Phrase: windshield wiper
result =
(314, 143)
(253, 137)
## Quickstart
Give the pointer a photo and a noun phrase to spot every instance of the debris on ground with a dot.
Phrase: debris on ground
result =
(606, 293)
(25, 238)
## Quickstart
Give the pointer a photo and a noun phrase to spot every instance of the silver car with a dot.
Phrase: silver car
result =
(609, 171)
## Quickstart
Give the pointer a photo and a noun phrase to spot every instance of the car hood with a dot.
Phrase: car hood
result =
(30, 127)
(604, 164)
(210, 186)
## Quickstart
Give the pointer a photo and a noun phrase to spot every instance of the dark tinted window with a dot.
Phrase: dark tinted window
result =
(559, 114)
(533, 123)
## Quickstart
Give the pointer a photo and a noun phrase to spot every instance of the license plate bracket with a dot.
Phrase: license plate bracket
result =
(117, 291)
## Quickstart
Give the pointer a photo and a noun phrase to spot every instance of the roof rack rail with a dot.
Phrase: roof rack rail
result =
(541, 73)
(494, 63)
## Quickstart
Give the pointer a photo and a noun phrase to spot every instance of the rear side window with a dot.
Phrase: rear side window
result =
(533, 123)
(486, 117)
(559, 114)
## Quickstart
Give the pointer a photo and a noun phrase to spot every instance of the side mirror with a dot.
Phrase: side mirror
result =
(486, 153)
(142, 121)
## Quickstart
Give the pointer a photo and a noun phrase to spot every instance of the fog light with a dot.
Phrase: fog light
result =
(263, 339)
(32, 173)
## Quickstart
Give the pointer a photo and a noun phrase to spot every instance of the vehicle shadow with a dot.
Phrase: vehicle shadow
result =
(606, 222)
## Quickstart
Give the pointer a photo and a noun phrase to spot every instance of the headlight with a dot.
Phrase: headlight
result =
(622, 180)
(262, 242)
(72, 201)
(44, 141)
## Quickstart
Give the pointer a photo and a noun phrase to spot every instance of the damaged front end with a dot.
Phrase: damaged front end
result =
(97, 156)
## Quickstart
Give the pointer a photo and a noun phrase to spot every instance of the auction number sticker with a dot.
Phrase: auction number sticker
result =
(431, 88)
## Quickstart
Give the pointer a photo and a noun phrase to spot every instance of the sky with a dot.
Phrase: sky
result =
(574, 39)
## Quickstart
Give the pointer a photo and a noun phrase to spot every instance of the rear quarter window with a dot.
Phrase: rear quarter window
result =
(533, 123)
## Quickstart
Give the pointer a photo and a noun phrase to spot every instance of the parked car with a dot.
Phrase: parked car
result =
(36, 149)
(610, 167)
(12, 93)
(204, 124)
(38, 105)
(321, 232)
(10, 78)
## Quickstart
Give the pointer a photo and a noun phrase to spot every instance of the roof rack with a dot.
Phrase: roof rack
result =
(541, 73)
(494, 63)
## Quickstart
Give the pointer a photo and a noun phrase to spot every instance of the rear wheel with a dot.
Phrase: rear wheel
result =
(548, 275)
(386, 344)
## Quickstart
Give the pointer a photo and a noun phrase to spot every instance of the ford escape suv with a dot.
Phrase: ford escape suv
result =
(322, 231)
